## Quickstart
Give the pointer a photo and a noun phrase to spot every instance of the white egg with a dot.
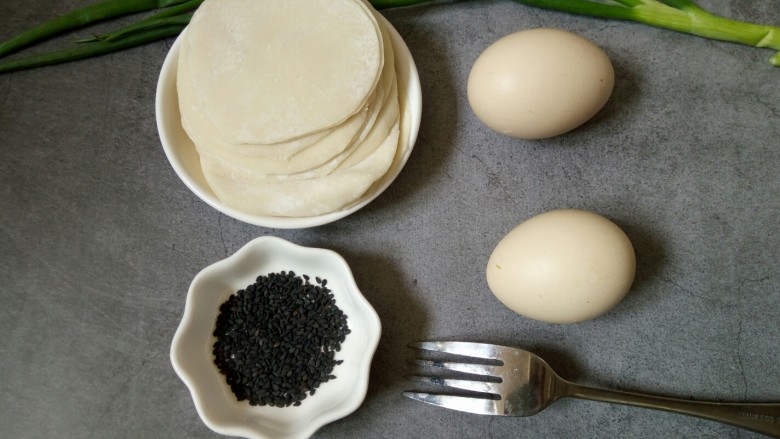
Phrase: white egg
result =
(563, 266)
(539, 83)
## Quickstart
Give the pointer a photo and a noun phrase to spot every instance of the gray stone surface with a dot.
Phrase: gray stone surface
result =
(99, 239)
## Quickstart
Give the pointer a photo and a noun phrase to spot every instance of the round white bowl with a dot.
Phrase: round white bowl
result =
(184, 158)
(191, 350)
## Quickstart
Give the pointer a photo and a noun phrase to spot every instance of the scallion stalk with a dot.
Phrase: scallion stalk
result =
(678, 15)
(80, 17)
(88, 50)
(142, 26)
(387, 4)
(179, 14)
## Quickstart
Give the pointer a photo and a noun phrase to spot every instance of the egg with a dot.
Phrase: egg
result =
(562, 266)
(539, 83)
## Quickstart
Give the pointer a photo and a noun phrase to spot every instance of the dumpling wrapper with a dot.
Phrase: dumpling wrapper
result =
(301, 198)
(317, 160)
(206, 136)
(267, 71)
(369, 142)
(336, 142)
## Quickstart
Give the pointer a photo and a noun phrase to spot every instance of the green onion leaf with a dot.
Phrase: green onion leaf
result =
(174, 14)
(81, 17)
(90, 49)
(141, 26)
(678, 15)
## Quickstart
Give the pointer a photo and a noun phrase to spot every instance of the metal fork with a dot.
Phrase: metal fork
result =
(519, 383)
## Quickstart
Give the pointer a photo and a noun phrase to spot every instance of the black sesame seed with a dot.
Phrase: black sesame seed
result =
(277, 337)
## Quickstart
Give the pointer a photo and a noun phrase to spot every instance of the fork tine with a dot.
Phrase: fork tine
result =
(474, 386)
(476, 350)
(479, 406)
(476, 369)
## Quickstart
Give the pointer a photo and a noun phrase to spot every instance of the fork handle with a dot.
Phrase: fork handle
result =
(759, 417)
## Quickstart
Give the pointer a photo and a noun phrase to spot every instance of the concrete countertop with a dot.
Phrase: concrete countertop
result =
(99, 239)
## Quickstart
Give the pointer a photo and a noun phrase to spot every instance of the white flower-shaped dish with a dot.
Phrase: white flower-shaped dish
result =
(191, 350)
(184, 158)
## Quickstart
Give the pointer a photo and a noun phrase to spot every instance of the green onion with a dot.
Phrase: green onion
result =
(387, 4)
(173, 15)
(178, 14)
(80, 17)
(90, 49)
(141, 27)
(678, 15)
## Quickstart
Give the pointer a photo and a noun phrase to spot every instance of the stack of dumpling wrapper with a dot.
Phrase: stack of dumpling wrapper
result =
(291, 104)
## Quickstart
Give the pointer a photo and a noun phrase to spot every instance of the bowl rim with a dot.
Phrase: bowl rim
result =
(411, 115)
(344, 407)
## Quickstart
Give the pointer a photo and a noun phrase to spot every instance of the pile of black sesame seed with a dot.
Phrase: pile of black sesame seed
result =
(276, 339)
